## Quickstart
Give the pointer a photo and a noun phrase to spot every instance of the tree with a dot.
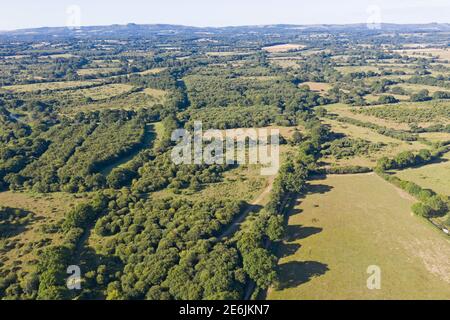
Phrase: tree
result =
(260, 266)
(422, 210)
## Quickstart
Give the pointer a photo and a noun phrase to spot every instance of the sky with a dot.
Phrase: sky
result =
(17, 14)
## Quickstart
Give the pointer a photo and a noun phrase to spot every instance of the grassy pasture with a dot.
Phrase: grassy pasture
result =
(47, 209)
(352, 69)
(283, 48)
(317, 86)
(443, 54)
(96, 71)
(152, 71)
(348, 223)
(392, 148)
(414, 88)
(106, 91)
(434, 176)
(422, 113)
(48, 86)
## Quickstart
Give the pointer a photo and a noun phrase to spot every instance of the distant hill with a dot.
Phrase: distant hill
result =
(135, 30)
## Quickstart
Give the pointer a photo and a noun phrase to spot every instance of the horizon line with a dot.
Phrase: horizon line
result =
(221, 27)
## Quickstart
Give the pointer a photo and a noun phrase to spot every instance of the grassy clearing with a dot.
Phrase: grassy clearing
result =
(48, 209)
(48, 86)
(348, 223)
(133, 101)
(414, 88)
(96, 71)
(155, 93)
(421, 113)
(441, 53)
(434, 176)
(106, 91)
(152, 71)
(317, 86)
(284, 48)
(353, 69)
(345, 110)
(392, 148)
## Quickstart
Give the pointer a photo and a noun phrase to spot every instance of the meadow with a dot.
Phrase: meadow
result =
(347, 223)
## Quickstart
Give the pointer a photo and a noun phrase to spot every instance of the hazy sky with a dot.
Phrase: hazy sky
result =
(36, 13)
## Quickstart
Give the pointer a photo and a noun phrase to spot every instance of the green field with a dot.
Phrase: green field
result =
(348, 223)
(434, 176)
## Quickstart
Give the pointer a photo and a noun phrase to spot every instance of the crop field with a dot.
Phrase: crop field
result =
(344, 225)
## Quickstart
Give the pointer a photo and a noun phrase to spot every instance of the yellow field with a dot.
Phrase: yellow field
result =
(347, 224)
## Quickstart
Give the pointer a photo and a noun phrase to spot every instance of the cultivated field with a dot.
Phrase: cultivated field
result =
(348, 223)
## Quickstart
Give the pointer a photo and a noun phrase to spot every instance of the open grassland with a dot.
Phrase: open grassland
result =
(392, 148)
(434, 176)
(317, 86)
(106, 91)
(47, 209)
(96, 71)
(345, 110)
(348, 223)
(48, 86)
(354, 69)
(415, 88)
(443, 54)
(152, 71)
(283, 48)
(436, 136)
(133, 101)
(422, 113)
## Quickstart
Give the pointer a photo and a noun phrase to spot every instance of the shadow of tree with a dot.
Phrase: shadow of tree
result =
(288, 249)
(295, 273)
(294, 233)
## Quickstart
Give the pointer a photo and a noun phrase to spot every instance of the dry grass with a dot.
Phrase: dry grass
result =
(284, 48)
(48, 209)
(48, 86)
(96, 71)
(317, 86)
(106, 91)
(348, 223)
